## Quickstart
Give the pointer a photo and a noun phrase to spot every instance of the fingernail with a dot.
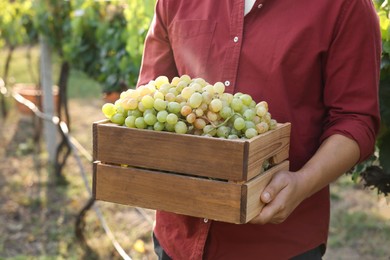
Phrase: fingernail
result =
(266, 197)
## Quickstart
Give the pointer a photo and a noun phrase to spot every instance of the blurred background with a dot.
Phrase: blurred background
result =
(79, 53)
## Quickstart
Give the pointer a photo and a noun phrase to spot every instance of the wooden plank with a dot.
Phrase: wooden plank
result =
(190, 154)
(256, 186)
(236, 160)
(199, 197)
(273, 145)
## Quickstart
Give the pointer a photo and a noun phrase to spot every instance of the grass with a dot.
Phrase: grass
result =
(40, 214)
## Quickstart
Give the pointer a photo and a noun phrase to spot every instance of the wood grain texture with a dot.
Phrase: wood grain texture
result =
(181, 194)
(199, 197)
(236, 160)
(273, 145)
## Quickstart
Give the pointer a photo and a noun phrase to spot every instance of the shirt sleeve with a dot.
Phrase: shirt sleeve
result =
(157, 57)
(351, 77)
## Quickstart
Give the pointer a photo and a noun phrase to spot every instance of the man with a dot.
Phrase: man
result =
(316, 63)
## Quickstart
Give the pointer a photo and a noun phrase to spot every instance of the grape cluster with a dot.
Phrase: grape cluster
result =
(190, 106)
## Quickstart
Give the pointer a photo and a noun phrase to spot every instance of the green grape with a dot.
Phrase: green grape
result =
(149, 111)
(209, 129)
(130, 121)
(207, 97)
(223, 131)
(158, 126)
(261, 111)
(246, 99)
(121, 110)
(135, 113)
(236, 104)
(181, 127)
(140, 123)
(234, 131)
(199, 112)
(227, 97)
(185, 78)
(175, 81)
(215, 105)
(237, 95)
(196, 86)
(219, 88)
(174, 107)
(187, 92)
(209, 89)
(162, 116)
(226, 112)
(150, 119)
(108, 109)
(170, 127)
(118, 118)
(165, 88)
(239, 123)
(158, 95)
(160, 104)
(195, 100)
(249, 114)
(273, 124)
(249, 124)
(250, 132)
(172, 118)
(212, 116)
(262, 127)
(170, 97)
(129, 103)
(161, 80)
(232, 136)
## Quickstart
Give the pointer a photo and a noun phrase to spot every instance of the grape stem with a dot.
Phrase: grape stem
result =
(221, 124)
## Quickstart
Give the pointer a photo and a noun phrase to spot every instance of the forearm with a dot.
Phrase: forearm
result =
(336, 155)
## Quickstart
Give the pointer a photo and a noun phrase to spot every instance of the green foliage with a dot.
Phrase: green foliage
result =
(107, 40)
(16, 23)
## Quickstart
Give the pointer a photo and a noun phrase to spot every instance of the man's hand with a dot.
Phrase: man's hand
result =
(281, 196)
(336, 155)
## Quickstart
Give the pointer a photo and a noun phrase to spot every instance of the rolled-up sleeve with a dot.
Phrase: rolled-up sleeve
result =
(351, 77)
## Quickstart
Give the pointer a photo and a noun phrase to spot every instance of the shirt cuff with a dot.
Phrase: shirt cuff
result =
(358, 131)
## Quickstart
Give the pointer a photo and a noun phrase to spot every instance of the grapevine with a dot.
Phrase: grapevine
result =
(187, 105)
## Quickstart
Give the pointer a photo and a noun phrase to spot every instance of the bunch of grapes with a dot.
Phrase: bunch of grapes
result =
(190, 106)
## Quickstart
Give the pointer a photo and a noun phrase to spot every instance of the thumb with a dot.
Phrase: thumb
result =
(276, 184)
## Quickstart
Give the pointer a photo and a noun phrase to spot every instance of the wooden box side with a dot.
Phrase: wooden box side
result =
(164, 151)
(273, 145)
(254, 188)
(199, 197)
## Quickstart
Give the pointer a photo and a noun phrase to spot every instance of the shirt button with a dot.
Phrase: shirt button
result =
(260, 6)
(235, 39)
(227, 83)
(205, 220)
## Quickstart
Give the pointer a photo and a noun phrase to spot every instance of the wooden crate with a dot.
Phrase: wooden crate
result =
(192, 175)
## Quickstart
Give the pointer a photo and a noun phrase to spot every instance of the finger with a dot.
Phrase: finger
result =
(278, 182)
(268, 214)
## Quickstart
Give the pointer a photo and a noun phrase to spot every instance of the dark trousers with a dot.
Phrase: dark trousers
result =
(313, 254)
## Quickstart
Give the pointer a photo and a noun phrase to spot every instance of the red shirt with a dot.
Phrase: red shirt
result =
(316, 63)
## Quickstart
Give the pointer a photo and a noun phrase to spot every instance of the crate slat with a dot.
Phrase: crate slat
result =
(237, 160)
(200, 197)
(169, 192)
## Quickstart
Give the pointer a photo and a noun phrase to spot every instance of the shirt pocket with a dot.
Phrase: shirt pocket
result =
(191, 41)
